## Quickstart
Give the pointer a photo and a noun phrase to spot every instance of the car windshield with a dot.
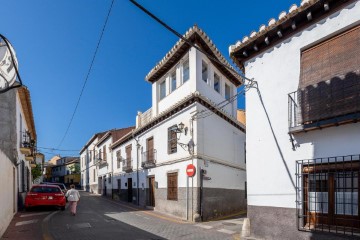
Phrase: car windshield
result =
(45, 189)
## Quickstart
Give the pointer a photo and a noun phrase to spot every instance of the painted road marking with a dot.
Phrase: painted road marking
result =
(204, 226)
(147, 218)
(138, 215)
(34, 214)
(78, 226)
(26, 222)
(226, 231)
(235, 221)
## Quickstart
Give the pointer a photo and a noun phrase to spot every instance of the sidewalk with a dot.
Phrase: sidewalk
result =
(26, 226)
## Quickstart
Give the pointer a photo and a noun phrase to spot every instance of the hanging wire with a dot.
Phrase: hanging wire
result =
(87, 75)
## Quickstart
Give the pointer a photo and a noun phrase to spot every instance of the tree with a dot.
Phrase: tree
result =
(36, 172)
(75, 168)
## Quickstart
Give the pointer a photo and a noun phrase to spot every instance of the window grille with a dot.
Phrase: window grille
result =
(172, 140)
(327, 197)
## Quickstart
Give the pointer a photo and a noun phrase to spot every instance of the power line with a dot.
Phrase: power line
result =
(56, 149)
(186, 40)
(252, 82)
(88, 74)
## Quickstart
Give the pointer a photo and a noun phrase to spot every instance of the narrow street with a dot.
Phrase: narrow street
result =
(101, 218)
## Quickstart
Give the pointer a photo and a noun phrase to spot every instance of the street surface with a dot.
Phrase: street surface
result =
(101, 218)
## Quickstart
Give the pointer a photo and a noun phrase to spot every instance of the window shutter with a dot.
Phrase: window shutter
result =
(104, 150)
(172, 186)
(330, 78)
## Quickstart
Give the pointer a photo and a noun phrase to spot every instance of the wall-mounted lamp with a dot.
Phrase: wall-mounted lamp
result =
(180, 128)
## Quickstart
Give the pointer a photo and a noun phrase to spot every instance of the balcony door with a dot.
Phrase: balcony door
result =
(150, 149)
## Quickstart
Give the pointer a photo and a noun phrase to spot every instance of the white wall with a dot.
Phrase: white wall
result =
(9, 197)
(277, 73)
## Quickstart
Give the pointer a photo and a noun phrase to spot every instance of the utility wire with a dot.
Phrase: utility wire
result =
(252, 82)
(88, 74)
(56, 149)
(187, 41)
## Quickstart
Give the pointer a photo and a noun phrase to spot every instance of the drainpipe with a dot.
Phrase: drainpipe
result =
(137, 168)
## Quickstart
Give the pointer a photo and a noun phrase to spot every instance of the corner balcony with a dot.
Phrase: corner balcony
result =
(324, 105)
(143, 118)
(26, 143)
(127, 165)
(149, 159)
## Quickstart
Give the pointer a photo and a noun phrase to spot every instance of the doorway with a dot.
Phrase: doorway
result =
(129, 185)
(152, 191)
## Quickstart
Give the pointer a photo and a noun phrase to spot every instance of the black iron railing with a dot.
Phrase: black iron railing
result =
(127, 165)
(149, 159)
(26, 141)
(327, 195)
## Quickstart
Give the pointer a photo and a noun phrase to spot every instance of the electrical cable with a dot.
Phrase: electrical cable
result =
(88, 74)
(60, 150)
(186, 40)
(196, 47)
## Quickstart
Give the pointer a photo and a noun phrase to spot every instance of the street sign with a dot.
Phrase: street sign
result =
(190, 170)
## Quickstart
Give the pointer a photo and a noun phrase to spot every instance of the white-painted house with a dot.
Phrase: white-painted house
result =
(186, 126)
(303, 135)
(17, 151)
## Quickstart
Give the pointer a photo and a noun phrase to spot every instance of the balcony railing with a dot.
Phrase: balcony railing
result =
(149, 159)
(127, 165)
(145, 117)
(26, 143)
(323, 106)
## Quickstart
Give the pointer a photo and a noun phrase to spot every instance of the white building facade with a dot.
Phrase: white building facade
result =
(17, 151)
(186, 126)
(302, 136)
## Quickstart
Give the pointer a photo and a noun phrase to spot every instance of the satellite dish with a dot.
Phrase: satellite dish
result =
(8, 65)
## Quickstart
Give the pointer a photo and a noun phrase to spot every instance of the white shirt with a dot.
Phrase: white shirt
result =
(73, 195)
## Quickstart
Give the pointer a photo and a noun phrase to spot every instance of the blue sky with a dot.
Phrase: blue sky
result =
(55, 41)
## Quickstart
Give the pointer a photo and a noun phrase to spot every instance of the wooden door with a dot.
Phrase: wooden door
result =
(150, 149)
(152, 191)
(129, 185)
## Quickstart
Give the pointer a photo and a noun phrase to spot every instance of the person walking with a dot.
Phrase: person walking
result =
(73, 197)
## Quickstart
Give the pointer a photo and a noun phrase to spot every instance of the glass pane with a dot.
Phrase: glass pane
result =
(318, 196)
(173, 81)
(204, 72)
(227, 92)
(346, 193)
(186, 71)
(162, 90)
(216, 82)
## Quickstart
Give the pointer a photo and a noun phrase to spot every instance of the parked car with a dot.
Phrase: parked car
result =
(61, 185)
(45, 195)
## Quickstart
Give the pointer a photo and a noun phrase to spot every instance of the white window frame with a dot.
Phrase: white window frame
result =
(160, 84)
(203, 62)
(172, 73)
(185, 59)
(217, 74)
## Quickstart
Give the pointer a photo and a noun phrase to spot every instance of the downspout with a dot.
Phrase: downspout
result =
(137, 168)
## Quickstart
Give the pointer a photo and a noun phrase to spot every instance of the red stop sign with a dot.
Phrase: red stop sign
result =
(190, 170)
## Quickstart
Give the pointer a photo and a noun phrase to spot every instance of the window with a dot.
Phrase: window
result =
(104, 153)
(173, 80)
(90, 156)
(118, 158)
(227, 92)
(94, 175)
(216, 83)
(327, 194)
(186, 71)
(172, 191)
(172, 140)
(333, 67)
(162, 89)
(110, 178)
(204, 72)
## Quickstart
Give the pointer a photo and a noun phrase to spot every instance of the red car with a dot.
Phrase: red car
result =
(45, 195)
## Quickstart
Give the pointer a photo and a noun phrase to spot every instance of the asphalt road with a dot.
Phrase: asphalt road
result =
(100, 218)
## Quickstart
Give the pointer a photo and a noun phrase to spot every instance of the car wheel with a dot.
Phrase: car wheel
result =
(62, 208)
